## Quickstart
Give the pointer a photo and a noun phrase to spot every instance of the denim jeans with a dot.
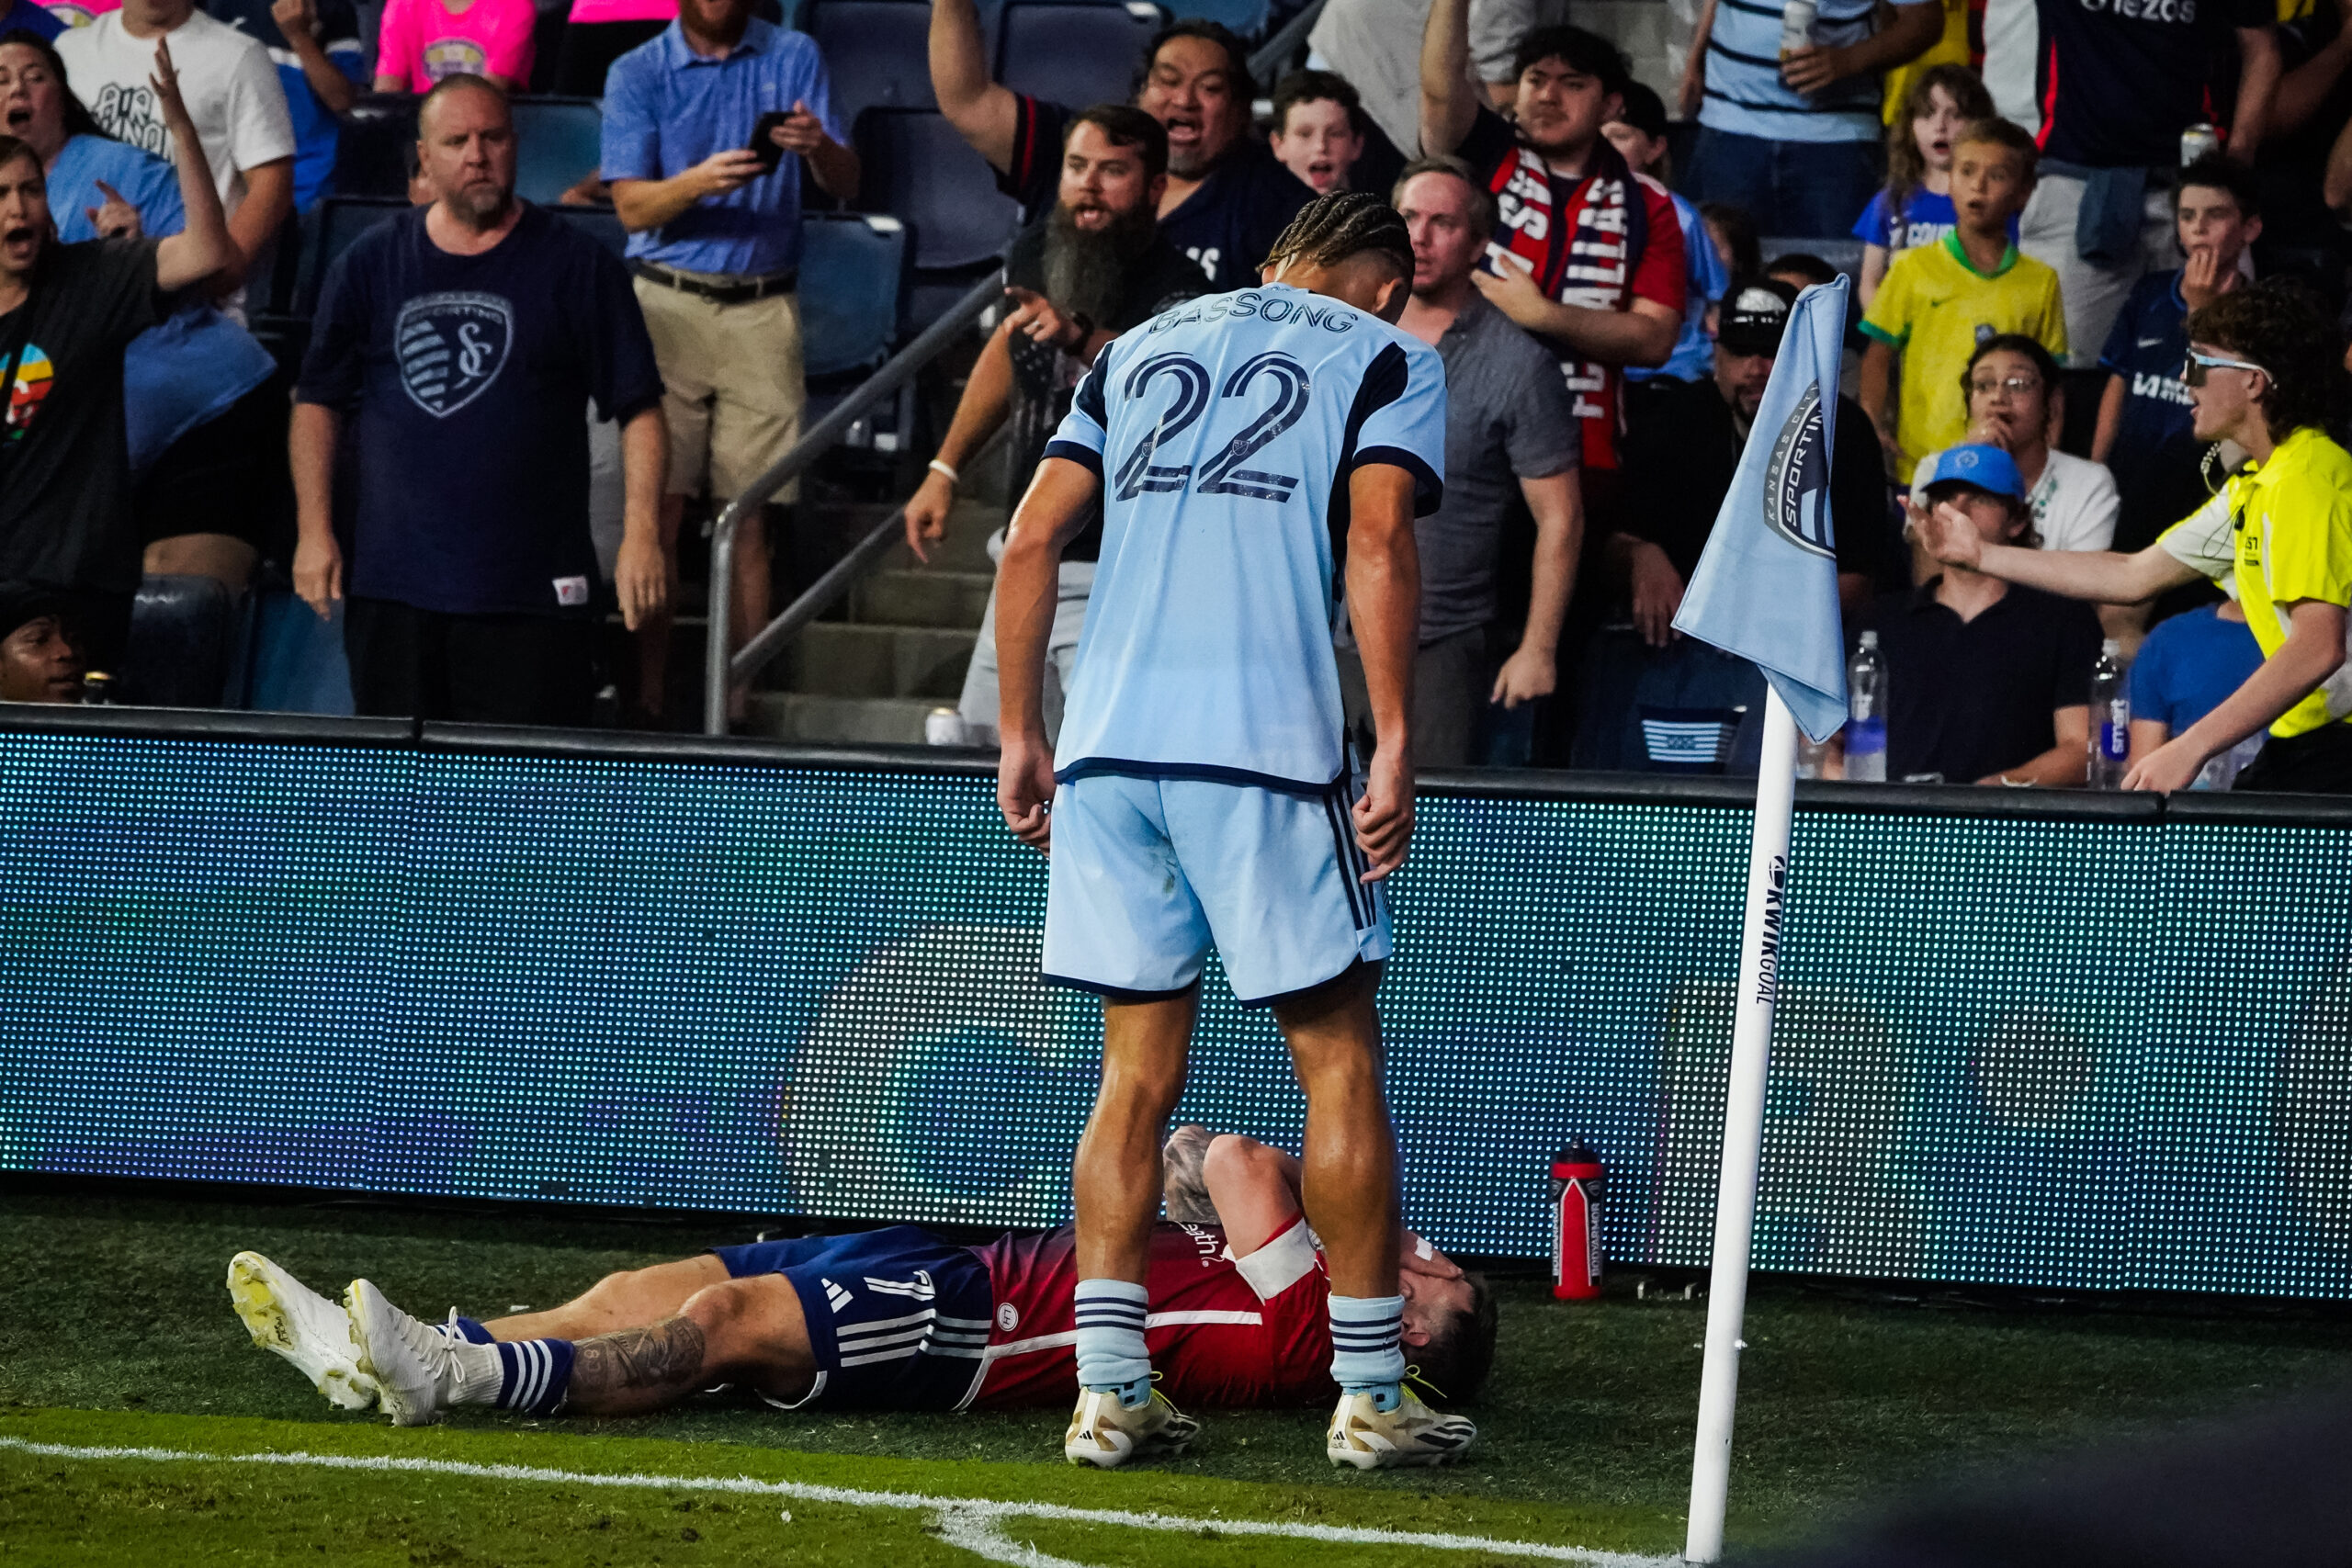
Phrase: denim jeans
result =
(1794, 190)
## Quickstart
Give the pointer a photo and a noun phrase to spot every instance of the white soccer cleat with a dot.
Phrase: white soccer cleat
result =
(287, 1317)
(1369, 1439)
(1107, 1434)
(415, 1368)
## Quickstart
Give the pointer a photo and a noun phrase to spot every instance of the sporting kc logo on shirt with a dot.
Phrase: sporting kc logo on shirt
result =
(451, 346)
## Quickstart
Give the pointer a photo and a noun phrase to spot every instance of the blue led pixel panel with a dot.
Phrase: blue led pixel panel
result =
(2056, 1051)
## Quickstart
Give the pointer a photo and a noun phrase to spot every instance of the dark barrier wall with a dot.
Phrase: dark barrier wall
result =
(2086, 1042)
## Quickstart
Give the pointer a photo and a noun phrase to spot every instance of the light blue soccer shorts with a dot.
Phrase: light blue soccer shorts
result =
(1146, 874)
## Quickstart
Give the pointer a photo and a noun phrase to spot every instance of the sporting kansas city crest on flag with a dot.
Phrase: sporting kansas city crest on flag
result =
(451, 347)
(1766, 587)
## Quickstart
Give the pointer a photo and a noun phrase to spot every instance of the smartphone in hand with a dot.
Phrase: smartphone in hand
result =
(764, 145)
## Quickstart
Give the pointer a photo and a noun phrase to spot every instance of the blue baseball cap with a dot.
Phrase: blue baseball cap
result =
(1987, 468)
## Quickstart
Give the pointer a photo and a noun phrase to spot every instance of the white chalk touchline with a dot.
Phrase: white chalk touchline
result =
(968, 1511)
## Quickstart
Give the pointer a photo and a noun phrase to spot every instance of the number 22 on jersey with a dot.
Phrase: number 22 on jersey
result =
(1188, 400)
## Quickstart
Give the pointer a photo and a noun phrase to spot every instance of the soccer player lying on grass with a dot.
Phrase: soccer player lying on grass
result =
(891, 1319)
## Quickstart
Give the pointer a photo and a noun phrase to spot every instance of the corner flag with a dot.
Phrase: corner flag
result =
(1766, 588)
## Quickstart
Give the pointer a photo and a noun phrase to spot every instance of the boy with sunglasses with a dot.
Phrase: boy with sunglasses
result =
(2278, 537)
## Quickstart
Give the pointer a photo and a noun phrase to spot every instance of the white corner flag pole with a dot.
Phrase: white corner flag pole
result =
(1751, 1042)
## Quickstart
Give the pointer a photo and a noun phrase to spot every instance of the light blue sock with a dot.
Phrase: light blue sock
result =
(1367, 1356)
(1111, 1354)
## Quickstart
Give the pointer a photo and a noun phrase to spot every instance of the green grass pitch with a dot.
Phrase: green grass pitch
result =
(116, 1332)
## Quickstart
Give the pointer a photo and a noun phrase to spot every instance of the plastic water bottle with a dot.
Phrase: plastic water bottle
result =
(1866, 713)
(2111, 719)
(1796, 24)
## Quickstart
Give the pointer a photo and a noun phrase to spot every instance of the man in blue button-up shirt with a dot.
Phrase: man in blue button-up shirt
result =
(715, 240)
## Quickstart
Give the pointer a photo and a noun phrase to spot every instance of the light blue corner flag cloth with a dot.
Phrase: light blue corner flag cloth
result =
(1766, 589)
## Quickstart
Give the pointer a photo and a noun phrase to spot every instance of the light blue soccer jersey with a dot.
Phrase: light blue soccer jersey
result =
(1223, 432)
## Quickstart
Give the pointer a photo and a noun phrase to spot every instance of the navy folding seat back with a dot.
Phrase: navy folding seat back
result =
(920, 171)
(600, 223)
(558, 143)
(1246, 18)
(184, 642)
(877, 54)
(1077, 53)
(340, 220)
(374, 145)
(853, 270)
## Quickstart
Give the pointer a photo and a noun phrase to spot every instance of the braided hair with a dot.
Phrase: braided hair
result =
(1345, 223)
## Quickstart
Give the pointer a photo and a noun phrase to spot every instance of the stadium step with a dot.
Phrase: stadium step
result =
(921, 598)
(809, 719)
(843, 660)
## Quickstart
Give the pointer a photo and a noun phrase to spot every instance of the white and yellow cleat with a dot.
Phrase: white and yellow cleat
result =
(417, 1372)
(288, 1318)
(1107, 1434)
(1371, 1438)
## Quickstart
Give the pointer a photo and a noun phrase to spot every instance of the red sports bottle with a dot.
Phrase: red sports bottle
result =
(1578, 1185)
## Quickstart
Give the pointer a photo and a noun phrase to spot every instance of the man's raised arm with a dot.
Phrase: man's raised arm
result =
(203, 247)
(984, 113)
(2108, 576)
(1448, 99)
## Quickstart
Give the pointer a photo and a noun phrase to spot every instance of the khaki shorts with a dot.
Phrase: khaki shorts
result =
(733, 390)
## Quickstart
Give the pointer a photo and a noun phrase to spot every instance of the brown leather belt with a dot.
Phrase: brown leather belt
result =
(742, 293)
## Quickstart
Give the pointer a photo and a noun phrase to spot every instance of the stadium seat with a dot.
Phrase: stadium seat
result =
(1074, 52)
(558, 142)
(919, 170)
(373, 146)
(877, 54)
(853, 267)
(600, 223)
(184, 640)
(1844, 251)
(296, 664)
(1246, 18)
(340, 219)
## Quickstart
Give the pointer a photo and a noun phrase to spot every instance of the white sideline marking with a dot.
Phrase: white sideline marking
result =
(972, 1523)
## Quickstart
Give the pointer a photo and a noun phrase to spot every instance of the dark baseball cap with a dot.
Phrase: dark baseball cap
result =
(23, 602)
(1753, 314)
(1644, 110)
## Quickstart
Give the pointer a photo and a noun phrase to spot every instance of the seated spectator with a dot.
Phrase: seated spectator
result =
(1094, 268)
(714, 235)
(1588, 254)
(2186, 669)
(1376, 44)
(597, 33)
(1508, 439)
(1736, 240)
(463, 342)
(2016, 403)
(321, 65)
(1987, 680)
(1940, 301)
(1792, 136)
(1801, 270)
(27, 15)
(1228, 199)
(66, 522)
(1318, 129)
(38, 660)
(1914, 208)
(206, 434)
(1638, 132)
(420, 42)
(2145, 414)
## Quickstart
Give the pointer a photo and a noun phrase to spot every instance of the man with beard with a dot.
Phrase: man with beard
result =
(1227, 199)
(67, 313)
(1095, 267)
(471, 335)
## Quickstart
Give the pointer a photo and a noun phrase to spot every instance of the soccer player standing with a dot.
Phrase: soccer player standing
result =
(1250, 449)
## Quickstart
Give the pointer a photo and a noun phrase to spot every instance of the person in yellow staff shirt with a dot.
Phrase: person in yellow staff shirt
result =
(2261, 365)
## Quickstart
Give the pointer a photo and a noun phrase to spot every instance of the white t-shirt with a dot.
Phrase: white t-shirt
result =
(2012, 41)
(232, 89)
(1376, 45)
(2074, 502)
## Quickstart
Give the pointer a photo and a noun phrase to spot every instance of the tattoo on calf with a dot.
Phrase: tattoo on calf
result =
(666, 1355)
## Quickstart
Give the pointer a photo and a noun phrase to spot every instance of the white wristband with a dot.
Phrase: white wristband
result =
(941, 469)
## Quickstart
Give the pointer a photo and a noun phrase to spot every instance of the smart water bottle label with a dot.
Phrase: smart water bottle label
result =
(2114, 742)
(1865, 735)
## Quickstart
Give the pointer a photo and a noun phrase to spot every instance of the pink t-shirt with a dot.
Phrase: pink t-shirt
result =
(621, 10)
(421, 41)
(78, 12)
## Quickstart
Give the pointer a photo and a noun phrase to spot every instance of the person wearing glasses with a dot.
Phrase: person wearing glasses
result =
(2278, 537)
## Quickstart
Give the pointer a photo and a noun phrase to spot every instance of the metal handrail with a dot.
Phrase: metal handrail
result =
(720, 671)
(1280, 47)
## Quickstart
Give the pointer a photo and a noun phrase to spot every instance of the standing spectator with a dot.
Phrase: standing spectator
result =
(2119, 83)
(1638, 132)
(2263, 367)
(27, 15)
(2011, 392)
(1228, 199)
(2012, 60)
(233, 100)
(1508, 437)
(2188, 667)
(1376, 44)
(1094, 268)
(714, 233)
(39, 662)
(2145, 413)
(1318, 129)
(599, 32)
(207, 436)
(462, 342)
(2312, 106)
(1914, 208)
(1988, 682)
(1940, 301)
(1588, 254)
(1792, 136)
(321, 65)
(421, 42)
(65, 523)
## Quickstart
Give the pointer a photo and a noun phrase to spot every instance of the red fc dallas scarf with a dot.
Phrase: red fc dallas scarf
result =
(1584, 238)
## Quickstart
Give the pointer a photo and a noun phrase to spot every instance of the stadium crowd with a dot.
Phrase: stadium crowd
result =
(2099, 281)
